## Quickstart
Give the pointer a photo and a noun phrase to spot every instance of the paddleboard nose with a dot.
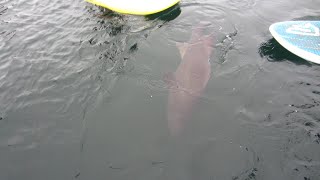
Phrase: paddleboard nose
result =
(135, 7)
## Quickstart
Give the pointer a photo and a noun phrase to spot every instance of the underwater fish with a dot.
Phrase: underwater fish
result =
(190, 79)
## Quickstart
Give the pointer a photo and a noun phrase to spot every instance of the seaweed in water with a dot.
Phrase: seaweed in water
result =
(225, 45)
(111, 14)
(317, 138)
(8, 35)
(92, 41)
(157, 162)
(133, 48)
(247, 175)
(305, 106)
(3, 10)
(115, 168)
(316, 92)
(115, 30)
(77, 175)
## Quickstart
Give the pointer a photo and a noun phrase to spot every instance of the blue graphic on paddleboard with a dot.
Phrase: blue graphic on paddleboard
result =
(299, 37)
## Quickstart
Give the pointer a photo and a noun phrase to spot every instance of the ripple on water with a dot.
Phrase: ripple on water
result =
(68, 58)
(221, 159)
(58, 57)
(295, 117)
(219, 22)
(41, 67)
(302, 159)
(241, 5)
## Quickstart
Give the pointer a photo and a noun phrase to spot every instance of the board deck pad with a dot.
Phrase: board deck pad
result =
(135, 7)
(302, 38)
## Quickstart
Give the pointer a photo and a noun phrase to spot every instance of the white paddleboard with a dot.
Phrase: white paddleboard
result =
(135, 7)
(302, 38)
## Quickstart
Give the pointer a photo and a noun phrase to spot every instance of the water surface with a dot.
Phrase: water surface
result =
(83, 96)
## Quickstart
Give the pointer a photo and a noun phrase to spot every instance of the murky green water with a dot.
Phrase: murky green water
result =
(83, 94)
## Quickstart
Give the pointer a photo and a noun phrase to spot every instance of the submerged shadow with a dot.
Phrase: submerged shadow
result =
(166, 15)
(275, 52)
(307, 18)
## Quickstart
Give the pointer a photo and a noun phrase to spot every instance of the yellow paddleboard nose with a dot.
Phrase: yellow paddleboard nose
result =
(135, 7)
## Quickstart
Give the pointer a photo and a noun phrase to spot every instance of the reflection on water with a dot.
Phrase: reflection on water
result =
(167, 15)
(83, 94)
(273, 51)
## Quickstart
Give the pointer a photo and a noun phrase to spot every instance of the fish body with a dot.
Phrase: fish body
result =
(190, 79)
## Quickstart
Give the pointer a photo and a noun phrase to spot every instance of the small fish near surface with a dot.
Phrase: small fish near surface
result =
(190, 79)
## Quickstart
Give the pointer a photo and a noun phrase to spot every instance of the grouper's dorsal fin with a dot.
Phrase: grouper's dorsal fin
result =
(182, 48)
